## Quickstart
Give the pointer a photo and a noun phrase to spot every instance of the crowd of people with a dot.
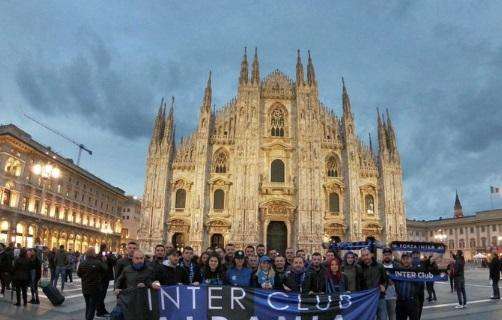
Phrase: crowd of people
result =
(331, 273)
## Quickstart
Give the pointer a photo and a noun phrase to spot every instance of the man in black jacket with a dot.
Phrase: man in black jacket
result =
(5, 267)
(374, 276)
(92, 271)
(170, 273)
(315, 280)
(109, 260)
(125, 261)
(495, 268)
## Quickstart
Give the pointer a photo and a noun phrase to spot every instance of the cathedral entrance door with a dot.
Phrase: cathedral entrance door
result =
(277, 236)
(217, 241)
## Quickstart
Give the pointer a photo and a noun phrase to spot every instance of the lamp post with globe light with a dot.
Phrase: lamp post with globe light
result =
(46, 172)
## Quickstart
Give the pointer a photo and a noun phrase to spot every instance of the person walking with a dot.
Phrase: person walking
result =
(51, 258)
(430, 266)
(21, 277)
(449, 270)
(5, 268)
(495, 269)
(61, 262)
(91, 271)
(35, 269)
(459, 280)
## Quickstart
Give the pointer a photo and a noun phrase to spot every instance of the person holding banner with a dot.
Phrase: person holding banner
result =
(213, 274)
(170, 273)
(407, 293)
(265, 275)
(336, 280)
(239, 275)
(295, 278)
(374, 275)
(136, 275)
(280, 271)
(315, 279)
(390, 292)
(190, 267)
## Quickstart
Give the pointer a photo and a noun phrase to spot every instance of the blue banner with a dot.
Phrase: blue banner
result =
(418, 246)
(354, 245)
(418, 276)
(236, 303)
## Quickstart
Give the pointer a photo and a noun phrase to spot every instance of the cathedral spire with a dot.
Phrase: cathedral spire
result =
(382, 135)
(457, 208)
(243, 78)
(158, 126)
(390, 132)
(255, 76)
(370, 142)
(347, 109)
(310, 71)
(206, 104)
(299, 70)
(169, 128)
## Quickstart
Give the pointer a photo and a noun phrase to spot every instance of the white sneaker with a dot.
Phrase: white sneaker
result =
(459, 306)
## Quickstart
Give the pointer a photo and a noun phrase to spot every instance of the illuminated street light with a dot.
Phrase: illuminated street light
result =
(46, 171)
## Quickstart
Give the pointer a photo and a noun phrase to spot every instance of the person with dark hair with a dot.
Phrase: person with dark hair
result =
(260, 250)
(419, 265)
(253, 262)
(495, 269)
(109, 260)
(295, 278)
(21, 277)
(35, 267)
(160, 254)
(204, 256)
(430, 266)
(315, 279)
(169, 272)
(289, 255)
(459, 280)
(265, 275)
(239, 274)
(336, 280)
(249, 251)
(407, 294)
(61, 262)
(280, 271)
(229, 255)
(390, 292)
(374, 276)
(352, 271)
(449, 270)
(213, 274)
(126, 260)
(92, 271)
(190, 267)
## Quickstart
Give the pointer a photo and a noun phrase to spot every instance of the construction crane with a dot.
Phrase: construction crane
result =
(79, 145)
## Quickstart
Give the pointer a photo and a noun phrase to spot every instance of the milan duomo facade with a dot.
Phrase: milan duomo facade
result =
(273, 166)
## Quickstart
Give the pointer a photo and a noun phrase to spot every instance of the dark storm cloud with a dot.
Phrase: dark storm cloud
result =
(105, 93)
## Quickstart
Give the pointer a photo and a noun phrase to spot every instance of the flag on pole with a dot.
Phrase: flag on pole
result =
(495, 190)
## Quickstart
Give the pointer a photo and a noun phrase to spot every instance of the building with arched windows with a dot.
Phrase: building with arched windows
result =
(61, 204)
(273, 166)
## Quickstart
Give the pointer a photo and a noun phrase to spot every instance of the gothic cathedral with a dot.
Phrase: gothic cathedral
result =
(272, 166)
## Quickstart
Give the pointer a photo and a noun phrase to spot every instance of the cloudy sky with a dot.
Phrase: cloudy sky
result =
(96, 70)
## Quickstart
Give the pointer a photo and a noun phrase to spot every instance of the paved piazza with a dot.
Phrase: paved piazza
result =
(478, 288)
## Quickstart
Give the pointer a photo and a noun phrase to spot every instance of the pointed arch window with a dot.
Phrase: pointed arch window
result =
(332, 169)
(220, 162)
(277, 171)
(219, 199)
(180, 200)
(277, 122)
(369, 204)
(334, 202)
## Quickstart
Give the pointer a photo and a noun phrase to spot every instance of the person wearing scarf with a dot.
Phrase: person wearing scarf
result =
(295, 278)
(336, 281)
(264, 276)
(213, 273)
(353, 271)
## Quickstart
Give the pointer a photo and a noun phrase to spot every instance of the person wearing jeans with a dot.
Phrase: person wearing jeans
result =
(458, 274)
(61, 262)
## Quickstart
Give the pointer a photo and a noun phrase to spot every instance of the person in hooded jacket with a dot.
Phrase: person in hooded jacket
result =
(353, 271)
(21, 277)
(92, 271)
(170, 272)
(264, 276)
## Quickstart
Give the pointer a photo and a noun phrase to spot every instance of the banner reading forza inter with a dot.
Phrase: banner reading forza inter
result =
(236, 303)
